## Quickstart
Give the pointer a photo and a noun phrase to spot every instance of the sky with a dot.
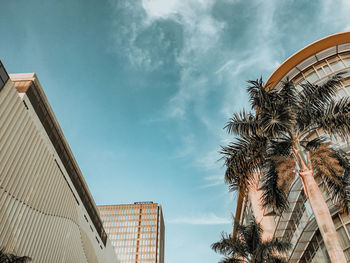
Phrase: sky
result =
(143, 88)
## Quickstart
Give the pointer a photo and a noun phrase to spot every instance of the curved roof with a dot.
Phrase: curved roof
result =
(306, 52)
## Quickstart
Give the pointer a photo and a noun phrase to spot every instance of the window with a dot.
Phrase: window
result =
(3, 76)
(327, 70)
(316, 251)
(342, 93)
(312, 77)
(321, 73)
(337, 65)
(347, 61)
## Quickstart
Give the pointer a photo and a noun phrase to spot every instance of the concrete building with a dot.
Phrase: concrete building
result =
(46, 209)
(314, 63)
(136, 231)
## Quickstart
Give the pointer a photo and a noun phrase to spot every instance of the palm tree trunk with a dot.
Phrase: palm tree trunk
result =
(323, 217)
(267, 223)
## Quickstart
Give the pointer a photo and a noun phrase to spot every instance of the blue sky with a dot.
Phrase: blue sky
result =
(143, 88)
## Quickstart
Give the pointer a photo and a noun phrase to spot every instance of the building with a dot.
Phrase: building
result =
(314, 63)
(47, 211)
(136, 231)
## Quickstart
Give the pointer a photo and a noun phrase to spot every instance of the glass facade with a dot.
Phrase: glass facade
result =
(295, 231)
(316, 252)
(136, 231)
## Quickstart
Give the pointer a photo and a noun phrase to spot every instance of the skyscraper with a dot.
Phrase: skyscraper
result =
(136, 231)
(315, 63)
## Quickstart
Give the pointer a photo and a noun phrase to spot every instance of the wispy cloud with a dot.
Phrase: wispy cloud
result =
(187, 146)
(210, 219)
(209, 161)
(212, 180)
(201, 33)
(147, 40)
(339, 7)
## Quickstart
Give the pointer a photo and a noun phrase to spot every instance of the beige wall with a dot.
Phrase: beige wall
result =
(39, 212)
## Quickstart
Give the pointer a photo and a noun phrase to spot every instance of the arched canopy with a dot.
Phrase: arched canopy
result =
(308, 51)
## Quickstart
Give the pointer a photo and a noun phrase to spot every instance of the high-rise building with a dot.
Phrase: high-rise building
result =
(46, 209)
(315, 63)
(136, 231)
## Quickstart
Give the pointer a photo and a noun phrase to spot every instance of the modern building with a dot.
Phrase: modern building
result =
(136, 231)
(314, 63)
(46, 209)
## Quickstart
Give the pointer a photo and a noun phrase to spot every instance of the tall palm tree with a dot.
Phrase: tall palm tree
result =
(248, 247)
(278, 139)
(10, 258)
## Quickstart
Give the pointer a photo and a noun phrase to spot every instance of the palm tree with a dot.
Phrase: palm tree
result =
(248, 247)
(10, 258)
(278, 139)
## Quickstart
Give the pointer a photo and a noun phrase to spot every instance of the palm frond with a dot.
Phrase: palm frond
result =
(273, 196)
(286, 170)
(232, 260)
(260, 97)
(340, 192)
(320, 93)
(325, 163)
(242, 157)
(277, 120)
(280, 147)
(243, 124)
(276, 259)
(335, 119)
(314, 143)
(277, 245)
(251, 234)
(255, 90)
(230, 246)
(315, 99)
(270, 249)
(248, 245)
(327, 90)
(288, 95)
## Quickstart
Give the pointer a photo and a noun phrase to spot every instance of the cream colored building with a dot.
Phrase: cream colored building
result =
(46, 209)
(314, 63)
(136, 231)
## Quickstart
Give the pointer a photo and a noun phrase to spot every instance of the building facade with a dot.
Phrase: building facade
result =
(315, 63)
(136, 231)
(47, 211)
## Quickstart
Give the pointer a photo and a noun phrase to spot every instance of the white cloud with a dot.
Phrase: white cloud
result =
(210, 219)
(201, 33)
(160, 8)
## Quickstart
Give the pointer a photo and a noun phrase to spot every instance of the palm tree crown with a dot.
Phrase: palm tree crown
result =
(278, 138)
(10, 258)
(248, 247)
